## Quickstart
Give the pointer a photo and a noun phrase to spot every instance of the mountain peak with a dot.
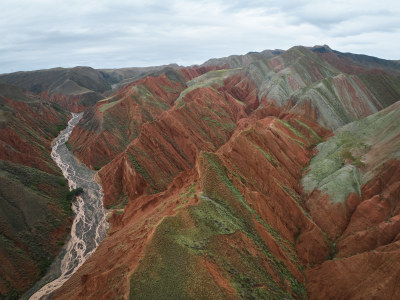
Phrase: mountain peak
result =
(321, 49)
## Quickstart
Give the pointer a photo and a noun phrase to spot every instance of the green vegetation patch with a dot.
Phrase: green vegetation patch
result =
(170, 270)
(141, 170)
(313, 133)
(213, 123)
(213, 77)
(33, 205)
(268, 156)
(74, 193)
(291, 128)
(334, 170)
(206, 80)
(106, 106)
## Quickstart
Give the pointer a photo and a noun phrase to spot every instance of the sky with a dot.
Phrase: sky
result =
(42, 34)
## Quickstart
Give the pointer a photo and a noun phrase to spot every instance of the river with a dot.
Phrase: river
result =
(89, 227)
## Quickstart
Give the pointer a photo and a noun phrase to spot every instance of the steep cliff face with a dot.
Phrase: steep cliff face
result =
(34, 214)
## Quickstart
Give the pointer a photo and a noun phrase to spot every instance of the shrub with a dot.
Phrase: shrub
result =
(73, 193)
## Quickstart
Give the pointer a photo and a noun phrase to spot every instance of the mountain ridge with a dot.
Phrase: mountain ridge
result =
(249, 176)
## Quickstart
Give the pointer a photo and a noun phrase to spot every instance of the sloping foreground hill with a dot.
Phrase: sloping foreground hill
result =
(34, 214)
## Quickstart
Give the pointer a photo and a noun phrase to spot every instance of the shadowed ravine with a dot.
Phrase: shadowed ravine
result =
(89, 227)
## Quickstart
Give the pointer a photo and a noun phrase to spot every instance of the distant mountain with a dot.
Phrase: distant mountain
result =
(235, 61)
(76, 88)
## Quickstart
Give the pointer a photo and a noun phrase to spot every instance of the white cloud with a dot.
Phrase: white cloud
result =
(120, 33)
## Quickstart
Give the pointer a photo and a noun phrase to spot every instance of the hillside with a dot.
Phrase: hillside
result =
(34, 214)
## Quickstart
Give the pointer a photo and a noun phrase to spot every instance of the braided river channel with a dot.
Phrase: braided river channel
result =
(89, 227)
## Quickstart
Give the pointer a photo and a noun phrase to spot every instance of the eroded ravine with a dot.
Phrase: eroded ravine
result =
(89, 226)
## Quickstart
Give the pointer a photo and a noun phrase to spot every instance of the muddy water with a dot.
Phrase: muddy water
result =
(89, 226)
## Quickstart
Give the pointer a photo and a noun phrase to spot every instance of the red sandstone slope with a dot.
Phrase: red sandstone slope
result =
(33, 212)
(108, 127)
(366, 263)
(28, 124)
(113, 123)
(245, 193)
(301, 80)
(202, 120)
(251, 177)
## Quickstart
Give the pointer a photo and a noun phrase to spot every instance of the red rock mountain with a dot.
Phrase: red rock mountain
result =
(271, 175)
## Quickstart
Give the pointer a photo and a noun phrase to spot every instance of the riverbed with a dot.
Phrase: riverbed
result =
(89, 227)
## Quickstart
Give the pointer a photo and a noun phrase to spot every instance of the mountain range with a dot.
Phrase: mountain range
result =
(270, 175)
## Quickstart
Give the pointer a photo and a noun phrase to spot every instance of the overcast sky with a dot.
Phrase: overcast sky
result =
(40, 34)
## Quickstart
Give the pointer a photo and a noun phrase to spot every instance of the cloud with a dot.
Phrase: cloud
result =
(43, 33)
